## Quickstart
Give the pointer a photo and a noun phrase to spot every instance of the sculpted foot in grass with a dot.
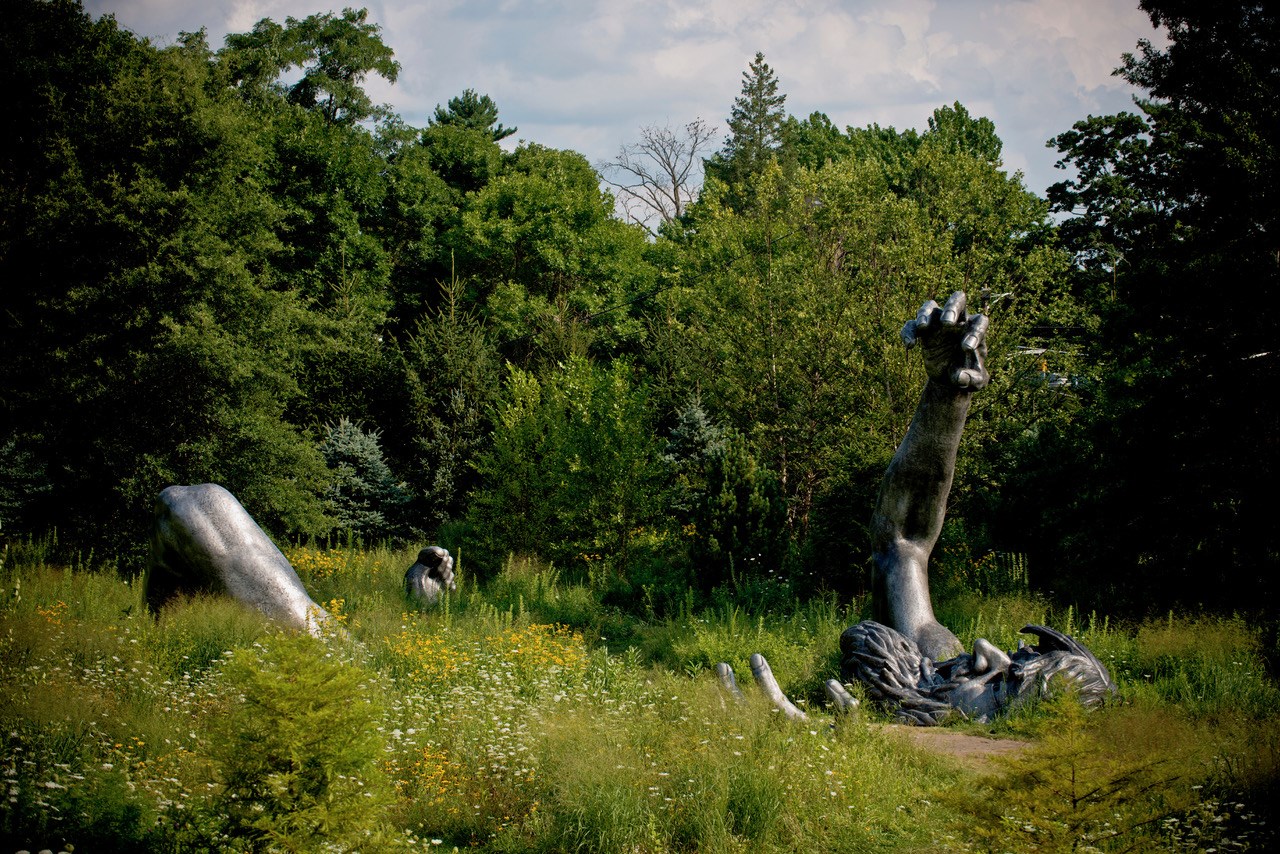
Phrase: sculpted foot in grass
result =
(895, 655)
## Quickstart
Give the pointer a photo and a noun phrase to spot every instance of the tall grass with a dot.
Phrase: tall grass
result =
(525, 715)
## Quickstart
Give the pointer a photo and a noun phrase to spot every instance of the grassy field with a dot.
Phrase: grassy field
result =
(525, 716)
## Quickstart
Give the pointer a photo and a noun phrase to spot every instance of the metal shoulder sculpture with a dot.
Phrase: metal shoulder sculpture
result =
(894, 656)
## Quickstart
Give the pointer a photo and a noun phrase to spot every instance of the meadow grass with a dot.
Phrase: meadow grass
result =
(525, 715)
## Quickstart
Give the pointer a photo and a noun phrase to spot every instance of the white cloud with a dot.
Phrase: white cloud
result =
(588, 74)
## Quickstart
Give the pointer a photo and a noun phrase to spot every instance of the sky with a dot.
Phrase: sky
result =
(587, 75)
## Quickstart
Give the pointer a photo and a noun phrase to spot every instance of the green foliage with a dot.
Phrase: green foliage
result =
(755, 132)
(1067, 792)
(296, 750)
(573, 471)
(1172, 206)
(451, 385)
(526, 587)
(694, 440)
(474, 112)
(23, 480)
(154, 176)
(501, 731)
(420, 200)
(465, 158)
(335, 54)
(956, 132)
(1202, 665)
(540, 241)
(192, 633)
(739, 520)
(731, 509)
(815, 141)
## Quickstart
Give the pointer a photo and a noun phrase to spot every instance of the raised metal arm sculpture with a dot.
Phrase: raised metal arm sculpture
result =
(894, 655)
(905, 658)
(913, 495)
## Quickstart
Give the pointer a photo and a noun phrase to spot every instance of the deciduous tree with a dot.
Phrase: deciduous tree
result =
(334, 53)
(657, 177)
(1175, 228)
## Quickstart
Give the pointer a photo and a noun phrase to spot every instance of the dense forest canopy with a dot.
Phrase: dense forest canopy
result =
(228, 264)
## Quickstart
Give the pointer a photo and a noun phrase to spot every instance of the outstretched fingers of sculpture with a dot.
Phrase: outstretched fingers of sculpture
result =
(768, 684)
(841, 699)
(930, 316)
(973, 373)
(913, 328)
(954, 342)
(763, 673)
(725, 673)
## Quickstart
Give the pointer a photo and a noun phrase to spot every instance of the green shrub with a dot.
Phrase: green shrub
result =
(574, 470)
(1205, 665)
(297, 749)
(738, 518)
(1068, 792)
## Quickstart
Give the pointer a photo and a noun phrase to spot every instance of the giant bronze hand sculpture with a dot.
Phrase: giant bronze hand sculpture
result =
(905, 658)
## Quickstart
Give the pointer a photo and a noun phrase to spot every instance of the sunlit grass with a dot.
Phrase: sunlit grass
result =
(526, 715)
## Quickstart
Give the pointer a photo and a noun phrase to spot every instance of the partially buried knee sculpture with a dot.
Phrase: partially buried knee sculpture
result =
(204, 540)
(906, 659)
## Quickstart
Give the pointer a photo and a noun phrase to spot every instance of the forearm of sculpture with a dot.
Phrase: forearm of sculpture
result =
(913, 496)
(909, 514)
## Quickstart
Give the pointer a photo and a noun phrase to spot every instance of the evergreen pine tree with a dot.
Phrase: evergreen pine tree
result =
(364, 496)
(755, 130)
(473, 111)
(694, 438)
(297, 751)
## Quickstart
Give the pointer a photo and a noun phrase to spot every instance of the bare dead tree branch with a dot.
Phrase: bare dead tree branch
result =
(658, 176)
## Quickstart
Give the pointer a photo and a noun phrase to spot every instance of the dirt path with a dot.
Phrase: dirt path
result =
(973, 751)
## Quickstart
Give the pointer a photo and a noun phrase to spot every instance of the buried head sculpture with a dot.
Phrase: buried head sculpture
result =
(920, 691)
(205, 541)
(908, 661)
